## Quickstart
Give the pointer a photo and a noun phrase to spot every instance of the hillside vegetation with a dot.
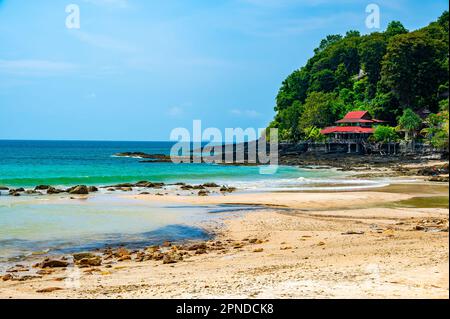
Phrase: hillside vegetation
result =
(388, 73)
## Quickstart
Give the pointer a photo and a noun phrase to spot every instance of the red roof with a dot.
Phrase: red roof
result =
(356, 115)
(347, 129)
(344, 120)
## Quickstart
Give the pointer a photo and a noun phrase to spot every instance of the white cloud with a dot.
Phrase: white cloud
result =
(38, 67)
(246, 113)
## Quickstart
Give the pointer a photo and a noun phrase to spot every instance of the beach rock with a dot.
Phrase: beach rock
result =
(123, 258)
(156, 256)
(147, 184)
(90, 262)
(52, 190)
(198, 187)
(7, 277)
(200, 251)
(92, 189)
(258, 250)
(225, 189)
(79, 190)
(48, 290)
(111, 190)
(51, 263)
(17, 268)
(203, 193)
(28, 277)
(78, 256)
(440, 179)
(172, 258)
(212, 185)
(44, 272)
(126, 189)
(186, 187)
(122, 185)
(166, 244)
(197, 246)
(15, 192)
(4, 188)
(31, 192)
(353, 233)
(122, 252)
(152, 249)
(41, 187)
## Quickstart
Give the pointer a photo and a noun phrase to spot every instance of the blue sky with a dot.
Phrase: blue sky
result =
(136, 69)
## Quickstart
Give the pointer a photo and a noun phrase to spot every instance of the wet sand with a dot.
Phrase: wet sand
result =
(306, 245)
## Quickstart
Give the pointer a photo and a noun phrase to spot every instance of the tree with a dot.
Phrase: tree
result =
(323, 81)
(330, 39)
(395, 28)
(318, 111)
(385, 134)
(294, 88)
(371, 53)
(412, 69)
(313, 134)
(402, 70)
(437, 128)
(409, 122)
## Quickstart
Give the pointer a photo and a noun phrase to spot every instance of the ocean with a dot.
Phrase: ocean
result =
(31, 225)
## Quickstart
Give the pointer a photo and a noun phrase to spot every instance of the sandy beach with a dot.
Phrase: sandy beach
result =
(301, 245)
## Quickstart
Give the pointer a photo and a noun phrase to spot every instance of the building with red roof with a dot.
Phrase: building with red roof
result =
(356, 125)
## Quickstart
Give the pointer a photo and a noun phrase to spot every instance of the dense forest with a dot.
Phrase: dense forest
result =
(399, 76)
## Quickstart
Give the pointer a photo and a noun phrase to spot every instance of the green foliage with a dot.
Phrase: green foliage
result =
(318, 111)
(437, 128)
(313, 134)
(383, 72)
(412, 69)
(395, 28)
(385, 134)
(409, 122)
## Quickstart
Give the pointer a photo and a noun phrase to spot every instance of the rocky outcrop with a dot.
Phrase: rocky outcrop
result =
(41, 187)
(92, 189)
(211, 185)
(150, 158)
(434, 170)
(226, 189)
(16, 192)
(203, 193)
(78, 190)
(52, 190)
(52, 263)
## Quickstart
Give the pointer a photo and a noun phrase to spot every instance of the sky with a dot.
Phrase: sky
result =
(136, 69)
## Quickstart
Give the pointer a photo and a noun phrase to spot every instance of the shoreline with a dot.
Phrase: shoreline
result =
(313, 244)
(275, 253)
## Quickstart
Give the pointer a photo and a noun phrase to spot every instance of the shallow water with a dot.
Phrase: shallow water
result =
(423, 202)
(30, 225)
(57, 224)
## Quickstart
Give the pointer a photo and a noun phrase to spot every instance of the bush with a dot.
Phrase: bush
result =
(385, 134)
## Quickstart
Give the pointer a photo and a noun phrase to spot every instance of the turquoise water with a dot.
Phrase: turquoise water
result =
(57, 224)
(30, 163)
